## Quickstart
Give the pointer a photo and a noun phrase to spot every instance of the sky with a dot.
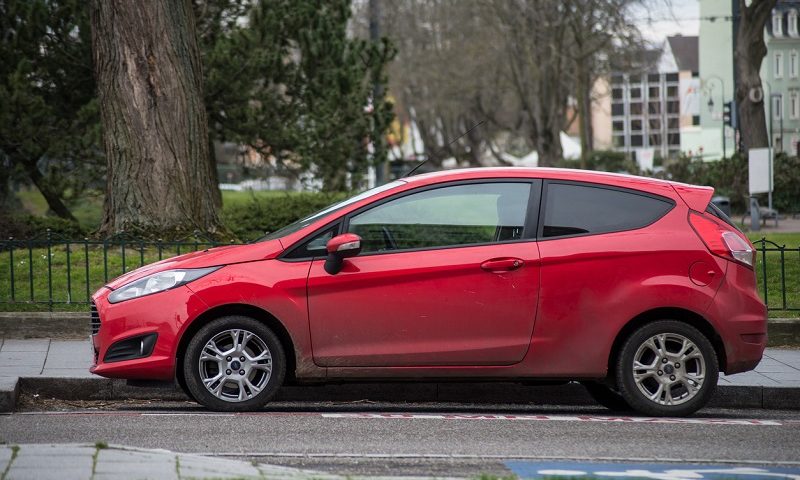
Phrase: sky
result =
(659, 19)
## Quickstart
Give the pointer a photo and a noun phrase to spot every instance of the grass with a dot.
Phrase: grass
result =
(769, 262)
(63, 271)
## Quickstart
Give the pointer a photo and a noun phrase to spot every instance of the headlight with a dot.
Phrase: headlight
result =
(158, 282)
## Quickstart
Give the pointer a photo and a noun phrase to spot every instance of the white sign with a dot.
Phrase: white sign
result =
(690, 96)
(760, 170)
(645, 157)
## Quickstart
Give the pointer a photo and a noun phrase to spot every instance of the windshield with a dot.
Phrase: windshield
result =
(304, 222)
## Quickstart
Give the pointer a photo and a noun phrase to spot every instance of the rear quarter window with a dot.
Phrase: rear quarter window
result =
(582, 209)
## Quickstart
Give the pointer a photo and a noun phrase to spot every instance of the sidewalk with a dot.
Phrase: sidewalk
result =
(60, 368)
(43, 462)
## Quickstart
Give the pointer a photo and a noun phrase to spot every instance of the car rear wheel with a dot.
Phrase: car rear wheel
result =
(606, 396)
(234, 363)
(667, 368)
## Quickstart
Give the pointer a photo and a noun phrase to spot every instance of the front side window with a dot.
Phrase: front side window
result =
(572, 209)
(793, 64)
(447, 216)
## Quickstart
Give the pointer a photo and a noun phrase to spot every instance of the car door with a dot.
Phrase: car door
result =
(448, 275)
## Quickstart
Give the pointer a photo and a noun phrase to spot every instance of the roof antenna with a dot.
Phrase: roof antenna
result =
(454, 141)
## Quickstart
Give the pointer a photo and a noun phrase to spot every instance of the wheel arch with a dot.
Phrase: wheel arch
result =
(668, 313)
(251, 311)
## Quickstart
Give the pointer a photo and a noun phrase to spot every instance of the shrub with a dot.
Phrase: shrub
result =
(252, 219)
(23, 226)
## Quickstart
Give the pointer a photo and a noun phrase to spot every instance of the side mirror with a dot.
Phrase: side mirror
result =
(340, 247)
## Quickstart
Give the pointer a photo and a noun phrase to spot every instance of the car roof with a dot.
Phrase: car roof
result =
(534, 172)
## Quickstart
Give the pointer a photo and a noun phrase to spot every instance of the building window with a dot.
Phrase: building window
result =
(793, 23)
(695, 120)
(793, 64)
(794, 105)
(778, 65)
(777, 107)
(636, 93)
(777, 24)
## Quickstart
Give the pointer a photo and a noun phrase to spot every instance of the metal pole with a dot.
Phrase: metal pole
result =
(724, 149)
(375, 36)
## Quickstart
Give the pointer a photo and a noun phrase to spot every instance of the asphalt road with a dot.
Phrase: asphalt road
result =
(421, 439)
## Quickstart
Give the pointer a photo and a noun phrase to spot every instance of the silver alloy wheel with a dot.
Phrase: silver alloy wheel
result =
(235, 365)
(669, 369)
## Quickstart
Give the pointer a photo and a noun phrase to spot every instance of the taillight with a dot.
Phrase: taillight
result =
(723, 241)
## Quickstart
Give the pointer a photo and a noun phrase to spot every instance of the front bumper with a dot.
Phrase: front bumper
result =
(165, 314)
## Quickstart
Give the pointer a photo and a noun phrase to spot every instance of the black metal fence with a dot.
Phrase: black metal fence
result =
(54, 272)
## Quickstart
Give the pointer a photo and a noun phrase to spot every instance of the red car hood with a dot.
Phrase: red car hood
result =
(211, 257)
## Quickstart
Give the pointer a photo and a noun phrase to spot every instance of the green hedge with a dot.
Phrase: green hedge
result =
(729, 177)
(23, 226)
(253, 218)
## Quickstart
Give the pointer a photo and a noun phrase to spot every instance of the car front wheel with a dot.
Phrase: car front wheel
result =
(667, 368)
(234, 363)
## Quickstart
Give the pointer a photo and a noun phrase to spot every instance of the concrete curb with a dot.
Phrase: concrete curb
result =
(44, 324)
(63, 388)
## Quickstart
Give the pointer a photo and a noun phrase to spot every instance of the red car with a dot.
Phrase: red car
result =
(639, 288)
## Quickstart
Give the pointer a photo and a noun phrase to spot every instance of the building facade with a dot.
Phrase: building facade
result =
(780, 73)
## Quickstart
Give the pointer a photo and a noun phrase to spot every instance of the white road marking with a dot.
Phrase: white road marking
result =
(555, 418)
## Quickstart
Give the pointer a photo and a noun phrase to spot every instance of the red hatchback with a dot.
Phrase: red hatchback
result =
(639, 288)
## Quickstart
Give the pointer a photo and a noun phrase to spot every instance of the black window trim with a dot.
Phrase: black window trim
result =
(528, 234)
(543, 204)
(286, 256)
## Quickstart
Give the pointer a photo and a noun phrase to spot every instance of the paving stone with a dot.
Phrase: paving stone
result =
(37, 345)
(5, 456)
(67, 372)
(48, 472)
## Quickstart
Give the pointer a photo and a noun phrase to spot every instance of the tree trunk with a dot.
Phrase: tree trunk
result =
(548, 146)
(155, 130)
(750, 51)
(584, 94)
(51, 196)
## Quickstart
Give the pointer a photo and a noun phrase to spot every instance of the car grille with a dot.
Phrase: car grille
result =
(94, 319)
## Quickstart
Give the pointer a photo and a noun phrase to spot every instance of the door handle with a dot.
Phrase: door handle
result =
(502, 264)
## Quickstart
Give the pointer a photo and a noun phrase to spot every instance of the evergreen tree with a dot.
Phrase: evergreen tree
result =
(292, 84)
(49, 120)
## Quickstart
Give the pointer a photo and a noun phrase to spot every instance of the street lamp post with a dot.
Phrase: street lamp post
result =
(722, 119)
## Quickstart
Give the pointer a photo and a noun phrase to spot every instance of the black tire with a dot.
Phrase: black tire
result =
(272, 381)
(606, 396)
(181, 381)
(687, 401)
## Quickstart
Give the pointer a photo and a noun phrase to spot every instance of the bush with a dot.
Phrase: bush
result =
(252, 219)
(604, 161)
(23, 226)
(729, 177)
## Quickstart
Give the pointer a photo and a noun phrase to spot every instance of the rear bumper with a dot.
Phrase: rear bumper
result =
(741, 320)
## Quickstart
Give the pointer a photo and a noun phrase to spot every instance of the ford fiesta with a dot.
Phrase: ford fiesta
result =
(638, 288)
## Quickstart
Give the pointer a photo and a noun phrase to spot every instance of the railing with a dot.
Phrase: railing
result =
(52, 271)
(778, 274)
